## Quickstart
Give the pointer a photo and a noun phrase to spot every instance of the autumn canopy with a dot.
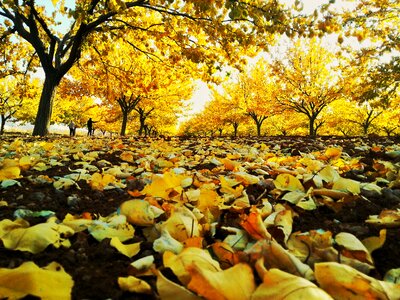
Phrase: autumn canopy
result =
(138, 57)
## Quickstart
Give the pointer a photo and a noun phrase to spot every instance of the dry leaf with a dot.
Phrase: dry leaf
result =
(236, 283)
(134, 285)
(47, 283)
(343, 282)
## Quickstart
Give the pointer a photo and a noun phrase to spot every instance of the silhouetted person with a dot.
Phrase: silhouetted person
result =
(90, 126)
(72, 128)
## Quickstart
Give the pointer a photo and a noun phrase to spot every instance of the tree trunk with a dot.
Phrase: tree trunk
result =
(235, 129)
(142, 125)
(3, 123)
(124, 122)
(311, 131)
(43, 116)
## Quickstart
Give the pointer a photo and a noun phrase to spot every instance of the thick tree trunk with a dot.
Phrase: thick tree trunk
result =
(43, 116)
(124, 122)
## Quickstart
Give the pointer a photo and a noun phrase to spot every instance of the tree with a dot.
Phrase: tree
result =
(128, 80)
(375, 25)
(258, 89)
(230, 104)
(200, 27)
(17, 93)
(365, 116)
(308, 80)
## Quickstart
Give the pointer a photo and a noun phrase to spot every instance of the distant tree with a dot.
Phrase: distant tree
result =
(309, 80)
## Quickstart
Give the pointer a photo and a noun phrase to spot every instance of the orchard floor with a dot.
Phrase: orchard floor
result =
(95, 266)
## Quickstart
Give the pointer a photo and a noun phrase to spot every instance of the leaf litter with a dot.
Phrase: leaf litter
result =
(266, 218)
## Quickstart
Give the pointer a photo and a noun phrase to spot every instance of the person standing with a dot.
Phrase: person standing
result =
(89, 125)
(72, 128)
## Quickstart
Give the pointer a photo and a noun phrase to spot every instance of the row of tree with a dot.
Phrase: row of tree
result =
(108, 58)
(308, 90)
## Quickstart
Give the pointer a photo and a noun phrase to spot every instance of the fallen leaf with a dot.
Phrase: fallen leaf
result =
(280, 285)
(235, 283)
(344, 282)
(169, 290)
(134, 285)
(127, 250)
(179, 263)
(36, 238)
(50, 282)
(287, 182)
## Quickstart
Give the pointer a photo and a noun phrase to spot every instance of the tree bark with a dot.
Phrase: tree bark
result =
(43, 116)
(311, 131)
(235, 129)
(3, 123)
(124, 122)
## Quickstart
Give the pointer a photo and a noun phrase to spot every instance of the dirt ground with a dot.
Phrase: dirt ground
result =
(96, 266)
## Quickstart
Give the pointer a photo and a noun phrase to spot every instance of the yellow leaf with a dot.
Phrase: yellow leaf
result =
(134, 285)
(235, 283)
(333, 152)
(387, 217)
(182, 224)
(279, 285)
(9, 169)
(275, 256)
(25, 162)
(246, 179)
(7, 225)
(375, 242)
(208, 199)
(344, 282)
(114, 226)
(169, 290)
(76, 223)
(345, 184)
(64, 183)
(127, 250)
(179, 263)
(99, 181)
(329, 174)
(138, 212)
(353, 247)
(164, 185)
(36, 238)
(287, 182)
(50, 282)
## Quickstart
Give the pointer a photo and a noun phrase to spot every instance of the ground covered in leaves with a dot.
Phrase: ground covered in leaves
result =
(182, 218)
